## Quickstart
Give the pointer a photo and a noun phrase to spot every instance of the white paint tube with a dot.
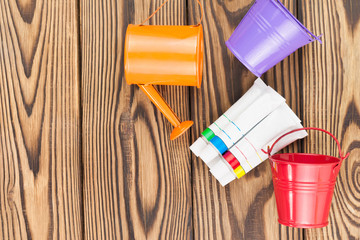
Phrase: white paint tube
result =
(238, 128)
(256, 90)
(225, 176)
(287, 140)
(248, 152)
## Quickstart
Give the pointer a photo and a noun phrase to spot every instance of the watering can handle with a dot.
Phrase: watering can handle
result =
(198, 1)
(308, 128)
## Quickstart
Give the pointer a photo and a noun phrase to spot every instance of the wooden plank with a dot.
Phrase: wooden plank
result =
(245, 209)
(40, 183)
(331, 101)
(136, 181)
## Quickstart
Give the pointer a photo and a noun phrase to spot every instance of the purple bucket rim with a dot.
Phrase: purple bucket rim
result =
(245, 63)
(290, 16)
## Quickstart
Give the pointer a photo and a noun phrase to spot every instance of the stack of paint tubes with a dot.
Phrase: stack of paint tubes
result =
(232, 145)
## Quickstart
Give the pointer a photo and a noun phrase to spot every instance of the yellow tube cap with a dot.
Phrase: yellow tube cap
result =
(239, 171)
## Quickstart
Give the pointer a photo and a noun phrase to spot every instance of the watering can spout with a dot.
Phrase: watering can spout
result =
(159, 102)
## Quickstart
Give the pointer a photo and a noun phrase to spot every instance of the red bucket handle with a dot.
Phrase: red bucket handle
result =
(308, 128)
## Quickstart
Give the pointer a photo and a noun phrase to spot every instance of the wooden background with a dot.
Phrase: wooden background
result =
(84, 155)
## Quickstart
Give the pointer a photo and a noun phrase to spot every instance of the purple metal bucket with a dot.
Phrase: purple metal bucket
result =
(266, 35)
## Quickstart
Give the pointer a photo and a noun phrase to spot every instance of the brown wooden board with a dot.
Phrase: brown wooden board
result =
(40, 148)
(136, 181)
(245, 209)
(92, 158)
(331, 100)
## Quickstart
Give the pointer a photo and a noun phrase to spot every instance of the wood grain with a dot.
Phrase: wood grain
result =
(40, 183)
(92, 158)
(136, 181)
(331, 101)
(245, 209)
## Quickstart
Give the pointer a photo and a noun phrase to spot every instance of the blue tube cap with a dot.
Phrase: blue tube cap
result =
(219, 144)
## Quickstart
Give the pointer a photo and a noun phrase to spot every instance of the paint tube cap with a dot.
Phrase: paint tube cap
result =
(209, 153)
(226, 179)
(219, 144)
(239, 172)
(231, 159)
(208, 134)
(198, 146)
(212, 163)
(220, 170)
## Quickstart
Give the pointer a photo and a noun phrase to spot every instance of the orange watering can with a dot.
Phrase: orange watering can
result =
(164, 55)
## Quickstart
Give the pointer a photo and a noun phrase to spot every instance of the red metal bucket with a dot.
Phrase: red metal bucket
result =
(304, 185)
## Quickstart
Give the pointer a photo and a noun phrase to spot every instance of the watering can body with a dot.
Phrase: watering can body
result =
(164, 55)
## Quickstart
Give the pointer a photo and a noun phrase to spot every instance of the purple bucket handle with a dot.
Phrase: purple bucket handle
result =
(288, 13)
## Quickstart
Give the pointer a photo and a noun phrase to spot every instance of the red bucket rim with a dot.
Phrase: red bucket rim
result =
(338, 160)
